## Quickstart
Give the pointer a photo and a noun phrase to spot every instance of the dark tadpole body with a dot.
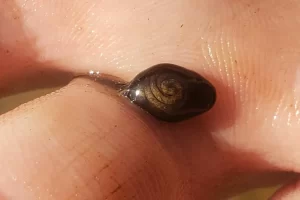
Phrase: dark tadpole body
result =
(170, 93)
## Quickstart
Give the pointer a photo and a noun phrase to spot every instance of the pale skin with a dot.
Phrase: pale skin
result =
(85, 142)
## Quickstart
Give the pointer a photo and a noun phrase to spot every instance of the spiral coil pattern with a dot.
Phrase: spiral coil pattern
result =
(170, 93)
(164, 91)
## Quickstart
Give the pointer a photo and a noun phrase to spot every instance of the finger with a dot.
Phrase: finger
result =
(290, 191)
(243, 64)
(22, 63)
(84, 142)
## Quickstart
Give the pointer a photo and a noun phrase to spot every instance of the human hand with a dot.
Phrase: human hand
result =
(84, 142)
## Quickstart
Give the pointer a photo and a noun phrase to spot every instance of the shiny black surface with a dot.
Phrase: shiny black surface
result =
(171, 93)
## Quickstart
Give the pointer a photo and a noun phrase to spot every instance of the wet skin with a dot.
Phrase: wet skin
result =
(84, 142)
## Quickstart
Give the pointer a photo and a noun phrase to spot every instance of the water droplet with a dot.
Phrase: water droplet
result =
(91, 72)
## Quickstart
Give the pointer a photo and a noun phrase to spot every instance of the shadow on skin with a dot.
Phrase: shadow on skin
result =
(242, 169)
(199, 157)
(20, 70)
